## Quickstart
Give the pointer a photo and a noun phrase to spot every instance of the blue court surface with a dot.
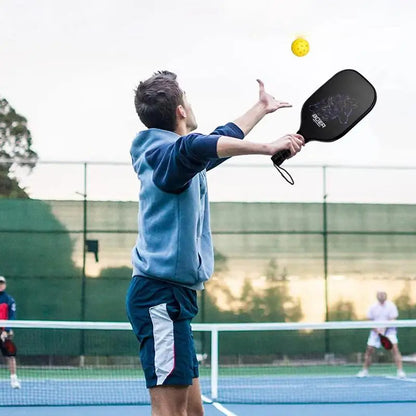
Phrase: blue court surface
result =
(238, 396)
(351, 409)
(231, 390)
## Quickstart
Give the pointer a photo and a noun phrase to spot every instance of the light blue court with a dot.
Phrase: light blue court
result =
(265, 396)
(351, 409)
(231, 389)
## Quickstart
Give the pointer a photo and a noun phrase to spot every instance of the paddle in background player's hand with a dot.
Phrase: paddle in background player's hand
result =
(385, 341)
(7, 346)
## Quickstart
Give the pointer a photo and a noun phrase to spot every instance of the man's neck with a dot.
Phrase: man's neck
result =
(182, 129)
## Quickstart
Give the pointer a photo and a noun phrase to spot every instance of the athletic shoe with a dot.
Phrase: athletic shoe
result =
(401, 374)
(15, 383)
(362, 373)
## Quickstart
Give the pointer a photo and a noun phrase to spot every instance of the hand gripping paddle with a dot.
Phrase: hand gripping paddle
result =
(331, 111)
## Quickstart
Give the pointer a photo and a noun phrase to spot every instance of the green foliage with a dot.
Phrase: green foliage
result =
(220, 262)
(407, 309)
(272, 272)
(208, 307)
(342, 311)
(36, 257)
(269, 304)
(272, 303)
(34, 243)
(15, 149)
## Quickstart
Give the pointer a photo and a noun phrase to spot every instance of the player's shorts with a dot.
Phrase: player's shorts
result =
(160, 314)
(374, 339)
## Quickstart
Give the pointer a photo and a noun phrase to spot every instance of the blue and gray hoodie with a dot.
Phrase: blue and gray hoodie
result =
(174, 242)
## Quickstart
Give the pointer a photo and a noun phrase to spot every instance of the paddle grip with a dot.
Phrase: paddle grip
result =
(279, 157)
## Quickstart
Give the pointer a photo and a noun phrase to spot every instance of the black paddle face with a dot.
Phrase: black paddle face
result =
(334, 109)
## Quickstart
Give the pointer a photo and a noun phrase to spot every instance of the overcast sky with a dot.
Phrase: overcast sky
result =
(70, 67)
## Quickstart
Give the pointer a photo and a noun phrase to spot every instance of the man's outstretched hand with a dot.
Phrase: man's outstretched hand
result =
(270, 103)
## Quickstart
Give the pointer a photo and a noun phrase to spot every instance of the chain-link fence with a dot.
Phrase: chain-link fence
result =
(312, 252)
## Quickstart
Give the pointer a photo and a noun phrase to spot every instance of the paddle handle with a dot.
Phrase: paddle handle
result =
(279, 157)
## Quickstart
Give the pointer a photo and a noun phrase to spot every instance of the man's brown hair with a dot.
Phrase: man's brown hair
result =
(156, 100)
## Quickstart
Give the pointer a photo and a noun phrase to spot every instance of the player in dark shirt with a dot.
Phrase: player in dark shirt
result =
(8, 312)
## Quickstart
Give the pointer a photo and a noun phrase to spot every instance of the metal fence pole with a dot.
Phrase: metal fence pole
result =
(83, 277)
(325, 253)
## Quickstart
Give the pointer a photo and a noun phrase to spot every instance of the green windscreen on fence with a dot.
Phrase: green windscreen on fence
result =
(314, 256)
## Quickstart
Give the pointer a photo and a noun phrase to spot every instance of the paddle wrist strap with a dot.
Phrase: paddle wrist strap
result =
(285, 174)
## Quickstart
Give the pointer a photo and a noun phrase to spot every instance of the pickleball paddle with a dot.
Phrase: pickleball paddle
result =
(8, 348)
(385, 342)
(334, 109)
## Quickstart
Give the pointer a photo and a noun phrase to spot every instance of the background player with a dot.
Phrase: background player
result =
(382, 310)
(8, 311)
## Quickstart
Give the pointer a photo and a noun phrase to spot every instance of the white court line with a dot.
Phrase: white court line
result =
(218, 406)
(409, 380)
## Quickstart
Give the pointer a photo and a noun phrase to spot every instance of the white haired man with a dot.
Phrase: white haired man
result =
(382, 310)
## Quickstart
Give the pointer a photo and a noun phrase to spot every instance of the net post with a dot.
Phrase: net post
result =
(214, 363)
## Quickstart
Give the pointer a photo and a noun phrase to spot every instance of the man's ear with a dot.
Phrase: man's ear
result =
(180, 112)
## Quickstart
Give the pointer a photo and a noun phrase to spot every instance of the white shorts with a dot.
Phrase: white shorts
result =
(374, 339)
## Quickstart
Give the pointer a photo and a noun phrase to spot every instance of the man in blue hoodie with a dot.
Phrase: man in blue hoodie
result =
(173, 255)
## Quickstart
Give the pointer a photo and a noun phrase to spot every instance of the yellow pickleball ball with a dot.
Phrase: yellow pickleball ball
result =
(300, 47)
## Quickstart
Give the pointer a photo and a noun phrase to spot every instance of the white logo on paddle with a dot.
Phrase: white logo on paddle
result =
(317, 120)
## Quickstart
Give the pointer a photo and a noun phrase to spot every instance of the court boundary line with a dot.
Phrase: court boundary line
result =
(406, 379)
(218, 406)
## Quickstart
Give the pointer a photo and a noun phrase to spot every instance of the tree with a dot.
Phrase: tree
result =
(36, 252)
(15, 150)
(220, 262)
(407, 309)
(273, 302)
(216, 288)
(342, 311)
(272, 272)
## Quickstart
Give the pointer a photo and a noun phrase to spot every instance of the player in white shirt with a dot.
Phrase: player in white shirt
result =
(382, 310)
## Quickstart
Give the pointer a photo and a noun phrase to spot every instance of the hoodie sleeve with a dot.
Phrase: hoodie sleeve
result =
(175, 164)
(231, 130)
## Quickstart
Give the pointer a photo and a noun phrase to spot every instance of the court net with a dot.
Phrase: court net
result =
(96, 363)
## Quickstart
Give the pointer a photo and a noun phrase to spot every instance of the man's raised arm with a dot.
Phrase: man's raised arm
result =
(265, 105)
